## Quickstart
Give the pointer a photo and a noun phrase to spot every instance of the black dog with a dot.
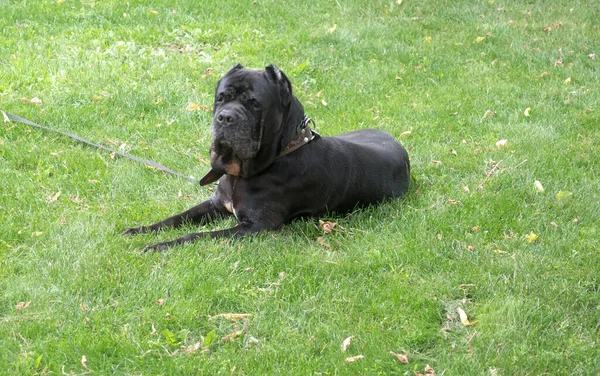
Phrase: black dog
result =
(272, 167)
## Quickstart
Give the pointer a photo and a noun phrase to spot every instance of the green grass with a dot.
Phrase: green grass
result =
(392, 277)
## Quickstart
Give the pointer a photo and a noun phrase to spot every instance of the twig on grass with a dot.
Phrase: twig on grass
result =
(480, 186)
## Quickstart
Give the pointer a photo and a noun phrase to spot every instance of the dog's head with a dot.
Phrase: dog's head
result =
(254, 118)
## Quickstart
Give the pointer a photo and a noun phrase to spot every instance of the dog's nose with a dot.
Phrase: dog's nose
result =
(225, 117)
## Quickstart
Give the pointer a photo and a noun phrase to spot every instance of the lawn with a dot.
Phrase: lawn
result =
(498, 103)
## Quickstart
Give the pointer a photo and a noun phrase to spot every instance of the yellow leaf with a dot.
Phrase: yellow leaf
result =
(401, 357)
(526, 112)
(84, 361)
(232, 316)
(531, 237)
(332, 29)
(323, 102)
(563, 195)
(428, 39)
(36, 233)
(463, 317)
(22, 305)
(538, 186)
(479, 39)
(152, 11)
(353, 359)
(60, 1)
(193, 106)
(567, 81)
(501, 143)
(346, 343)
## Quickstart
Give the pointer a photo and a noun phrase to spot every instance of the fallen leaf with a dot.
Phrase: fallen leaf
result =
(22, 305)
(96, 98)
(323, 102)
(567, 81)
(232, 316)
(554, 225)
(499, 251)
(346, 343)
(401, 357)
(558, 62)
(489, 113)
(36, 233)
(193, 106)
(84, 361)
(452, 201)
(563, 195)
(35, 100)
(526, 112)
(6, 119)
(538, 186)
(332, 29)
(92, 181)
(466, 189)
(531, 237)
(161, 301)
(463, 317)
(353, 359)
(544, 74)
(405, 133)
(592, 56)
(53, 197)
(479, 39)
(327, 226)
(429, 370)
(453, 151)
(501, 143)
(152, 11)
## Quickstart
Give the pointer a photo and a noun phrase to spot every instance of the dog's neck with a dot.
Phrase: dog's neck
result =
(291, 125)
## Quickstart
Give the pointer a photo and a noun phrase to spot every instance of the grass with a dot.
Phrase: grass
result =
(392, 276)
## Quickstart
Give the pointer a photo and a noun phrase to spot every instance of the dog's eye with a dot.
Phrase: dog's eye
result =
(254, 103)
(220, 98)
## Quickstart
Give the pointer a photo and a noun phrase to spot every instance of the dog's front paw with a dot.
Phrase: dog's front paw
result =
(136, 230)
(158, 247)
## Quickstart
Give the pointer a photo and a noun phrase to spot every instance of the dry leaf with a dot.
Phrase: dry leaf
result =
(405, 133)
(501, 143)
(479, 39)
(489, 113)
(193, 106)
(353, 359)
(152, 11)
(22, 305)
(346, 343)
(563, 195)
(544, 74)
(401, 357)
(466, 189)
(463, 317)
(53, 197)
(592, 56)
(232, 316)
(538, 186)
(567, 81)
(428, 39)
(526, 112)
(327, 226)
(452, 201)
(429, 370)
(323, 102)
(36, 233)
(161, 301)
(453, 151)
(332, 29)
(499, 251)
(6, 119)
(35, 100)
(84, 361)
(531, 237)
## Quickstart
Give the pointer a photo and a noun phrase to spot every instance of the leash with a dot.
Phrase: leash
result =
(8, 117)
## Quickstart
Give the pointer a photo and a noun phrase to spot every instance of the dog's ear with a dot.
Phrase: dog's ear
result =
(234, 68)
(285, 87)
